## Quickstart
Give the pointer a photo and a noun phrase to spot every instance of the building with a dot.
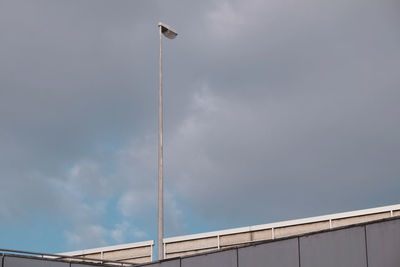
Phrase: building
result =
(364, 238)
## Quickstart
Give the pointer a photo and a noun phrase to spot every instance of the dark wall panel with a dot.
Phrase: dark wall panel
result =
(383, 244)
(276, 254)
(341, 248)
(84, 265)
(10, 261)
(226, 258)
(169, 263)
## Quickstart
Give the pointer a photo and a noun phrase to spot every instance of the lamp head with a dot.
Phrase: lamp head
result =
(167, 31)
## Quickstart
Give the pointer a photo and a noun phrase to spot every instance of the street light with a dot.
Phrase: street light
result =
(170, 34)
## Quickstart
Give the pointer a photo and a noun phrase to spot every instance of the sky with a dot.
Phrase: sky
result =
(273, 110)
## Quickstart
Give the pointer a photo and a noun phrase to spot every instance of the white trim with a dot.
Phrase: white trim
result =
(323, 218)
(107, 249)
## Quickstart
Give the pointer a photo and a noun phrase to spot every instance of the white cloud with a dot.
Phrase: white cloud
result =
(125, 231)
(86, 236)
(136, 201)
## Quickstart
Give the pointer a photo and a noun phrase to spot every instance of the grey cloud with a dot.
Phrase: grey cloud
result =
(286, 107)
(307, 120)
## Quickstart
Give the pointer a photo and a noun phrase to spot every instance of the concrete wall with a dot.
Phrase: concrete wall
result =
(133, 255)
(369, 245)
(139, 252)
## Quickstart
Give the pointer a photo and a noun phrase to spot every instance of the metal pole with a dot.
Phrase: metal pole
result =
(160, 162)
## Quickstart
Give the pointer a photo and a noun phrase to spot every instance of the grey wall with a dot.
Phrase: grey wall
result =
(370, 245)
(383, 244)
(282, 254)
(17, 261)
(10, 261)
(227, 258)
(170, 263)
(334, 249)
(84, 265)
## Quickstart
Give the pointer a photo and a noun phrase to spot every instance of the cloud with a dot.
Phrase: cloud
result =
(276, 148)
(124, 230)
(90, 235)
(224, 21)
(276, 109)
